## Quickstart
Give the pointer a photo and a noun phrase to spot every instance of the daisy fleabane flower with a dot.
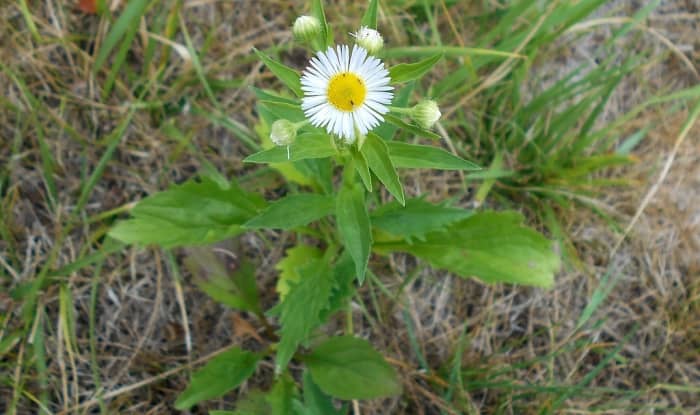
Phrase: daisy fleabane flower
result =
(346, 92)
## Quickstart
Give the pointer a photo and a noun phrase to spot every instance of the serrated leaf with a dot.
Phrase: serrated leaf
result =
(287, 75)
(353, 225)
(295, 258)
(349, 368)
(300, 311)
(405, 155)
(492, 246)
(237, 290)
(370, 17)
(194, 213)
(377, 155)
(221, 375)
(293, 211)
(306, 146)
(405, 72)
(416, 219)
(343, 286)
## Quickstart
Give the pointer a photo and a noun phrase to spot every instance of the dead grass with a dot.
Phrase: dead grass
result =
(515, 338)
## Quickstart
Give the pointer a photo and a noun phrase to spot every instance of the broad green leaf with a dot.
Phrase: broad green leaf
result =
(343, 286)
(370, 17)
(288, 267)
(405, 72)
(375, 151)
(416, 130)
(128, 21)
(300, 311)
(492, 246)
(315, 401)
(293, 211)
(222, 374)
(287, 75)
(349, 368)
(326, 37)
(353, 225)
(277, 401)
(405, 155)
(416, 219)
(237, 290)
(306, 146)
(194, 213)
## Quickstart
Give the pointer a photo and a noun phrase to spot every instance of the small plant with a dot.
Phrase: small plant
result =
(333, 138)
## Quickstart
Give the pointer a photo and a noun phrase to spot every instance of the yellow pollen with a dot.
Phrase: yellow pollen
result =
(346, 91)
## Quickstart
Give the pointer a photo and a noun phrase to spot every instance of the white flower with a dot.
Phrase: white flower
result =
(306, 28)
(346, 92)
(369, 39)
(426, 113)
(283, 132)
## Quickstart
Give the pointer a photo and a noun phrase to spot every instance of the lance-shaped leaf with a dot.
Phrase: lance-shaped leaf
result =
(492, 246)
(194, 213)
(287, 75)
(353, 225)
(405, 72)
(306, 146)
(416, 219)
(292, 211)
(375, 151)
(222, 374)
(405, 155)
(370, 17)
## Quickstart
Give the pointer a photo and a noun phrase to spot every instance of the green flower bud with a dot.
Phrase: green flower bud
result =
(369, 39)
(306, 28)
(426, 113)
(283, 132)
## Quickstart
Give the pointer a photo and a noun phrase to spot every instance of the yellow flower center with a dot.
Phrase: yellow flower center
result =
(346, 91)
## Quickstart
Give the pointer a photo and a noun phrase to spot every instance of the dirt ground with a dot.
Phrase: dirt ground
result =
(151, 322)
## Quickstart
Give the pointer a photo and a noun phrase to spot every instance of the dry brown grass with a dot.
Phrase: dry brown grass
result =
(151, 325)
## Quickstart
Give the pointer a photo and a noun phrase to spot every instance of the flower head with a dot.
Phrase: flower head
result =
(306, 28)
(283, 132)
(369, 39)
(346, 92)
(426, 113)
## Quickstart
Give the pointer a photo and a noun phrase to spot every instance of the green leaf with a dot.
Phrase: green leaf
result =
(306, 146)
(353, 225)
(300, 311)
(349, 368)
(287, 75)
(343, 286)
(405, 72)
(236, 290)
(193, 213)
(405, 155)
(288, 267)
(493, 246)
(370, 17)
(387, 129)
(418, 131)
(375, 151)
(293, 211)
(128, 21)
(416, 219)
(222, 374)
(360, 163)
(291, 112)
(326, 36)
(315, 401)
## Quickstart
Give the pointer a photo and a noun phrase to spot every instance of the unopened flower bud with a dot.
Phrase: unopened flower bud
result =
(426, 113)
(369, 39)
(283, 132)
(306, 28)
